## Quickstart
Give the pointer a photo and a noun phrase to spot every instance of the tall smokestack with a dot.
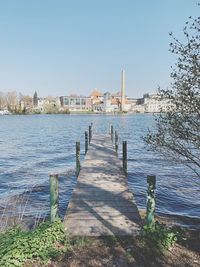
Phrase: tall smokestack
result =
(123, 90)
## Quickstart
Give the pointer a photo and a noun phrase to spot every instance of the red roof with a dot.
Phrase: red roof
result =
(96, 93)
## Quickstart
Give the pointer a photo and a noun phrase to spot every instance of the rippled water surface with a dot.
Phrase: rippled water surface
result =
(34, 146)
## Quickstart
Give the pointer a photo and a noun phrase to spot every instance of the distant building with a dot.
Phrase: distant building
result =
(138, 108)
(48, 105)
(26, 103)
(76, 103)
(96, 96)
(155, 103)
(130, 104)
(110, 103)
(107, 102)
(41, 102)
(97, 101)
(40, 105)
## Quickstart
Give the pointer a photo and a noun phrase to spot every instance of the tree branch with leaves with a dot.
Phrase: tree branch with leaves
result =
(177, 132)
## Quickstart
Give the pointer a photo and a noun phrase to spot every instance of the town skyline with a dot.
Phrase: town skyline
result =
(96, 102)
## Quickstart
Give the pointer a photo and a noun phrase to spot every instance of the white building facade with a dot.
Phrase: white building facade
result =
(155, 103)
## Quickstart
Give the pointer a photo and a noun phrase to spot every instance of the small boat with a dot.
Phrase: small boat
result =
(5, 112)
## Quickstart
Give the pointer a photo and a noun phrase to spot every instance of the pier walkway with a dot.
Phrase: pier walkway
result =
(101, 203)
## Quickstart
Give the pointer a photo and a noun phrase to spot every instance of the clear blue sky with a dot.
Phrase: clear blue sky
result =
(62, 46)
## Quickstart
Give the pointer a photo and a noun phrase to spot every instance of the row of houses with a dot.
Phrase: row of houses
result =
(109, 103)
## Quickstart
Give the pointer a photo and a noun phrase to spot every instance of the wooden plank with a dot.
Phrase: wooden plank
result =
(101, 203)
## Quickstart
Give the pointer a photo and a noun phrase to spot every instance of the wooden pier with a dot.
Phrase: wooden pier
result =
(101, 203)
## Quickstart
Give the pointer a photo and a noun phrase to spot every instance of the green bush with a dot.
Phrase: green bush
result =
(17, 246)
(64, 111)
(161, 236)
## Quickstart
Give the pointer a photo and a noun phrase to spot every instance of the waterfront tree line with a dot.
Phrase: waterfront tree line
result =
(24, 104)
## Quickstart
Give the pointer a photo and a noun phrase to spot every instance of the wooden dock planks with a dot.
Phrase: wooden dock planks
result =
(101, 203)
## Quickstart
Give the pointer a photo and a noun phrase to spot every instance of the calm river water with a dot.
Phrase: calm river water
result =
(36, 145)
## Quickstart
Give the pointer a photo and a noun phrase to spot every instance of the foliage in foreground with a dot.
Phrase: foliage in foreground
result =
(178, 130)
(160, 236)
(49, 241)
(43, 243)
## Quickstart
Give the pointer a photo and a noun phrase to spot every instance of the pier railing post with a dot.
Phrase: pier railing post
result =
(124, 149)
(116, 141)
(151, 181)
(78, 163)
(86, 142)
(110, 128)
(112, 132)
(54, 193)
(90, 133)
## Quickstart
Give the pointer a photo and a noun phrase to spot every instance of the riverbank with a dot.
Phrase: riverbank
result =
(86, 112)
(115, 251)
(61, 250)
(124, 252)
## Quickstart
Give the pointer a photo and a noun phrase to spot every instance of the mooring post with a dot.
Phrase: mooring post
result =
(86, 142)
(90, 134)
(116, 141)
(151, 181)
(91, 129)
(78, 163)
(112, 132)
(110, 128)
(54, 193)
(124, 149)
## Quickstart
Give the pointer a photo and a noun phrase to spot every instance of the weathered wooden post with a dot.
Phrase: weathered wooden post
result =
(54, 193)
(110, 128)
(124, 149)
(116, 141)
(78, 163)
(86, 142)
(151, 180)
(112, 133)
(90, 134)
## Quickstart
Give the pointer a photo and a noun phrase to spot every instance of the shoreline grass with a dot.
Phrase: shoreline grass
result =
(50, 245)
